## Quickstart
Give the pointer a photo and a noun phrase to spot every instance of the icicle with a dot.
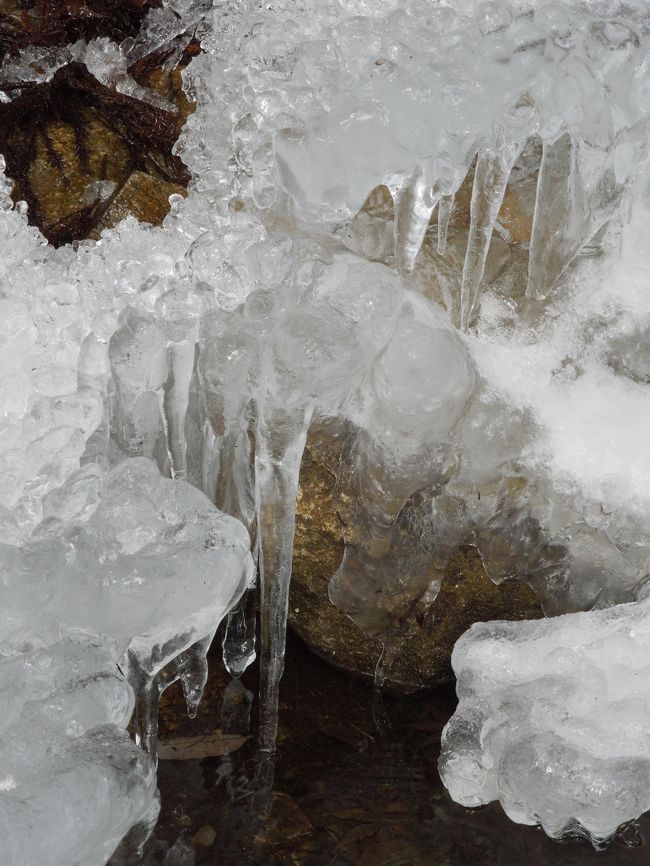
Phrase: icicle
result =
(239, 636)
(414, 203)
(559, 221)
(238, 644)
(210, 460)
(279, 447)
(493, 168)
(147, 697)
(138, 362)
(445, 207)
(233, 492)
(149, 680)
(176, 399)
(192, 670)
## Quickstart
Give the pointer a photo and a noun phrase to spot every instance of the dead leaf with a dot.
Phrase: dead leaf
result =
(195, 748)
(353, 815)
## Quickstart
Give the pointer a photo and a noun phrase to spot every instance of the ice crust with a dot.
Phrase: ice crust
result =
(487, 393)
(551, 720)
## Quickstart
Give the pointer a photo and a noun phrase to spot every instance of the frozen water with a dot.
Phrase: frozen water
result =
(383, 94)
(304, 350)
(76, 805)
(552, 720)
(343, 258)
(73, 783)
(146, 561)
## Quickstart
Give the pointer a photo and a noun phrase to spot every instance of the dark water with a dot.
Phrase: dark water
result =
(345, 793)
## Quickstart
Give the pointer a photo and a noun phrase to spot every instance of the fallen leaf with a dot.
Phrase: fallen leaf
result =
(353, 815)
(195, 748)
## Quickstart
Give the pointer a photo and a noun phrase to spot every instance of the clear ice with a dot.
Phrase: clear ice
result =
(552, 720)
(346, 260)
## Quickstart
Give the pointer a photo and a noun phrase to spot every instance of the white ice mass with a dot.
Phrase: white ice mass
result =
(552, 720)
(157, 388)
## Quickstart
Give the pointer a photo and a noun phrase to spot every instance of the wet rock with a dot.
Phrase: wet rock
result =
(143, 196)
(467, 594)
(63, 168)
(82, 155)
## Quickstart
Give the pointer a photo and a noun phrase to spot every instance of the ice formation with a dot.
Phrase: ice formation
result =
(552, 720)
(73, 782)
(384, 95)
(157, 387)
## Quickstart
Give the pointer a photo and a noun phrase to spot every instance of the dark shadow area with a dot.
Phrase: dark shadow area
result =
(343, 794)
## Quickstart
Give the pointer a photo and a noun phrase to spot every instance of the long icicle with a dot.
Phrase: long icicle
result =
(415, 201)
(559, 221)
(445, 207)
(175, 402)
(235, 495)
(279, 449)
(493, 168)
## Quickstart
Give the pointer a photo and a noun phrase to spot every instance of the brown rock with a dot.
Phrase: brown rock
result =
(467, 594)
(142, 196)
(75, 148)
(62, 169)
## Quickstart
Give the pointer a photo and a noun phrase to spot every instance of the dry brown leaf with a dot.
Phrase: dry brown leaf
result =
(195, 748)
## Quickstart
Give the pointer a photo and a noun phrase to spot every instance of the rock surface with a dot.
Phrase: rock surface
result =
(81, 154)
(467, 594)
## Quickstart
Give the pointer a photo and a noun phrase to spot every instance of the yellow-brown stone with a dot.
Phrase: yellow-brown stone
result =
(59, 174)
(143, 196)
(467, 594)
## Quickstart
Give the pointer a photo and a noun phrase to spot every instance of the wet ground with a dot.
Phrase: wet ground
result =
(354, 785)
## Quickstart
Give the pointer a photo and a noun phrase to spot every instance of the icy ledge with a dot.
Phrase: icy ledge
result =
(552, 720)
(128, 571)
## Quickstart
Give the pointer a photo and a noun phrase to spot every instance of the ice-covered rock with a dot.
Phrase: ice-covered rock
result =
(381, 93)
(304, 350)
(552, 720)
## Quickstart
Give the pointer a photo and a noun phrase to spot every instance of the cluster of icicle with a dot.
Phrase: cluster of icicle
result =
(329, 103)
(158, 386)
(114, 577)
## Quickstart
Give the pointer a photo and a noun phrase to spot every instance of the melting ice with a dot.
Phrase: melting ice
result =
(157, 389)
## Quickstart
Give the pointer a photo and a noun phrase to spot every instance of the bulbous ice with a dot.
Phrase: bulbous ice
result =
(146, 561)
(551, 720)
(72, 781)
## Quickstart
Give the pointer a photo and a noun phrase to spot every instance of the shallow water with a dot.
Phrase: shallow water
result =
(355, 784)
